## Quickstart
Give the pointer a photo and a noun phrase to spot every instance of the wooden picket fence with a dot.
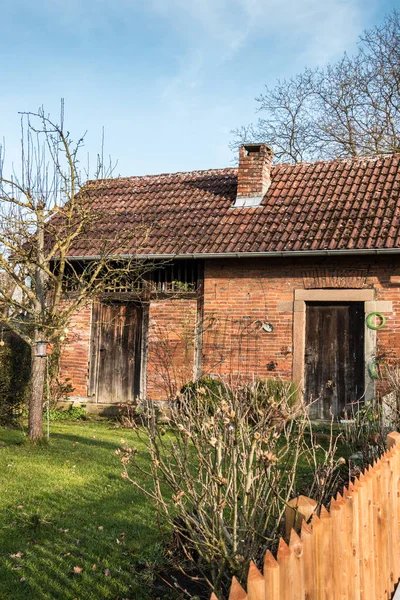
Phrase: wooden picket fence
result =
(351, 552)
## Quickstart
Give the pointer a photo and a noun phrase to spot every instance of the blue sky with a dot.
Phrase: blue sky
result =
(168, 79)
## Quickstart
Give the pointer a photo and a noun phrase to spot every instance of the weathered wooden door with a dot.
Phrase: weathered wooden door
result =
(115, 355)
(334, 357)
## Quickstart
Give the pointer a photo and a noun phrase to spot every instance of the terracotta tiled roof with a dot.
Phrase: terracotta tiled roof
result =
(346, 204)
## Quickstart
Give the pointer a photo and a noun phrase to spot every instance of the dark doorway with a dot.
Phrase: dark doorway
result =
(334, 357)
(115, 352)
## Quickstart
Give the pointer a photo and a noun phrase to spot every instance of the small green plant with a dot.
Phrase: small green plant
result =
(75, 413)
(180, 286)
(28, 519)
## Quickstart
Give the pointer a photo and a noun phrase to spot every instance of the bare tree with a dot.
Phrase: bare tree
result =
(44, 211)
(347, 109)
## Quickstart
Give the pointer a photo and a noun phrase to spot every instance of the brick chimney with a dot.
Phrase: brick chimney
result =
(254, 174)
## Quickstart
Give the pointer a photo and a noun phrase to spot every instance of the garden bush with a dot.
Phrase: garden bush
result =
(203, 393)
(276, 395)
(221, 479)
(15, 367)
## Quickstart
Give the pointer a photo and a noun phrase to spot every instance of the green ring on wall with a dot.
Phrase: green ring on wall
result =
(370, 324)
(372, 371)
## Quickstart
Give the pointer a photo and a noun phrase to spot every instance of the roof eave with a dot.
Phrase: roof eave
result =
(272, 254)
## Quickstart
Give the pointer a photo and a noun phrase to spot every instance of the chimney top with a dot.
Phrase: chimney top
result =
(254, 174)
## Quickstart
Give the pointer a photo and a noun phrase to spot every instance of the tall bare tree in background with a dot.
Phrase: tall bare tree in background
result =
(44, 210)
(347, 109)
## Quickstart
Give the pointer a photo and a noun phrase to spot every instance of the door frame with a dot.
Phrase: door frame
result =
(302, 296)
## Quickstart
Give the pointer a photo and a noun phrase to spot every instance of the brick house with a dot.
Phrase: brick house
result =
(258, 271)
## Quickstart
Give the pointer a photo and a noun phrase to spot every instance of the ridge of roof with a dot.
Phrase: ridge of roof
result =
(154, 176)
(233, 170)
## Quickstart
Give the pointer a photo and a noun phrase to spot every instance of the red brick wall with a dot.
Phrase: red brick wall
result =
(74, 362)
(170, 346)
(238, 297)
(240, 294)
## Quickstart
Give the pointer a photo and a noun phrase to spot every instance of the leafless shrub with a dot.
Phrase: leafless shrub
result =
(323, 464)
(221, 479)
(128, 415)
(346, 109)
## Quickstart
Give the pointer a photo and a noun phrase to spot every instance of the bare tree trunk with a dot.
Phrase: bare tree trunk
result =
(38, 376)
(38, 363)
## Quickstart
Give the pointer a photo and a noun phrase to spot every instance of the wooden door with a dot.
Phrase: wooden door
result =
(116, 356)
(334, 357)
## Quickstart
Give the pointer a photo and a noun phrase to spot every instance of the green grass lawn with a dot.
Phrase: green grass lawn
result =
(70, 526)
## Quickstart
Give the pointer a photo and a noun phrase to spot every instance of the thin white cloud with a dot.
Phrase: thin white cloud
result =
(215, 37)
(227, 25)
(309, 32)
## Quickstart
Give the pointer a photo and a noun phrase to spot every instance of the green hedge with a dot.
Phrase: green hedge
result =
(15, 368)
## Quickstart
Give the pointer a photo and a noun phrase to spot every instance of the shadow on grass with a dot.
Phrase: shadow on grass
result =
(84, 533)
(89, 549)
(90, 442)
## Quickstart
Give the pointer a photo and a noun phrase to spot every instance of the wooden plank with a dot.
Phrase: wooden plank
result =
(379, 549)
(350, 498)
(385, 528)
(324, 556)
(296, 547)
(271, 577)
(393, 439)
(255, 583)
(297, 510)
(339, 557)
(236, 591)
(396, 508)
(355, 539)
(284, 559)
(392, 525)
(366, 519)
(94, 349)
(307, 537)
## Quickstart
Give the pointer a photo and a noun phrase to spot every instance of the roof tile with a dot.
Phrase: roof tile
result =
(341, 204)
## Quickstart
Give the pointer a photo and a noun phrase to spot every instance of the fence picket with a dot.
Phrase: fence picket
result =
(349, 553)
(271, 577)
(296, 546)
(237, 592)
(307, 537)
(298, 510)
(285, 563)
(255, 584)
